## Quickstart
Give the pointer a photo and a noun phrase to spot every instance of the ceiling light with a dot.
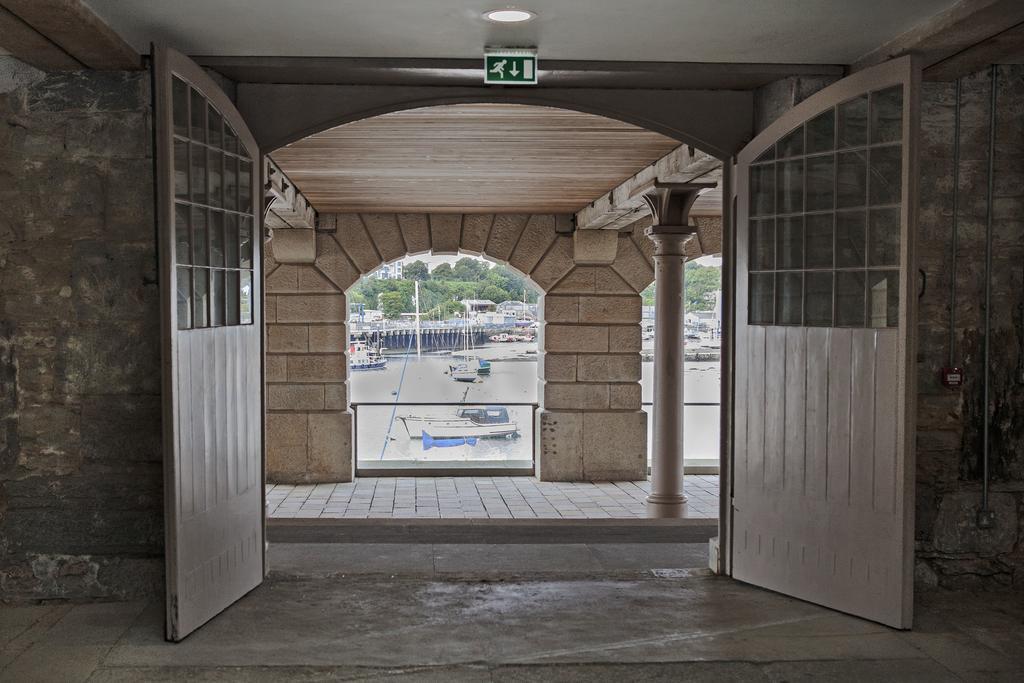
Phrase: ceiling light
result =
(509, 16)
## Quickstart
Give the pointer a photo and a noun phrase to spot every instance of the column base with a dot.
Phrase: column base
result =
(661, 506)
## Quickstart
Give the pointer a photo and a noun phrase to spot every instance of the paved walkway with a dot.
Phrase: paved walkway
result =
(480, 498)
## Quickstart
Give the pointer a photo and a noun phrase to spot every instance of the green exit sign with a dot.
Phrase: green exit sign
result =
(510, 67)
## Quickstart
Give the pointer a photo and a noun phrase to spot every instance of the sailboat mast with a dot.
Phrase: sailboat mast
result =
(416, 284)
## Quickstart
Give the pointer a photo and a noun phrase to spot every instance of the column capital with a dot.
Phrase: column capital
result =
(670, 240)
(670, 203)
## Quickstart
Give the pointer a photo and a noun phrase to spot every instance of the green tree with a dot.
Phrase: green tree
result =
(417, 270)
(495, 294)
(392, 304)
(441, 272)
(469, 269)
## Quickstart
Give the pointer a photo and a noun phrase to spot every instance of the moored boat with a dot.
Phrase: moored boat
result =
(489, 422)
(361, 356)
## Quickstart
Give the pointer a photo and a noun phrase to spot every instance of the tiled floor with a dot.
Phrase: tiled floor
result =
(480, 498)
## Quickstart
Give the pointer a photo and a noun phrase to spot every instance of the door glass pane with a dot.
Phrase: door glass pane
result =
(886, 180)
(792, 145)
(198, 174)
(217, 298)
(213, 174)
(201, 290)
(791, 186)
(181, 170)
(821, 179)
(821, 132)
(184, 298)
(818, 299)
(231, 297)
(853, 123)
(766, 155)
(245, 242)
(852, 180)
(850, 298)
(214, 124)
(788, 300)
(200, 244)
(216, 238)
(762, 244)
(884, 301)
(887, 115)
(245, 186)
(231, 240)
(818, 244)
(762, 190)
(884, 237)
(245, 297)
(790, 242)
(231, 183)
(851, 240)
(230, 139)
(179, 105)
(198, 117)
(183, 250)
(762, 298)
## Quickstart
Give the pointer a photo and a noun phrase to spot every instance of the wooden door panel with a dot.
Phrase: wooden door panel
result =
(208, 217)
(823, 492)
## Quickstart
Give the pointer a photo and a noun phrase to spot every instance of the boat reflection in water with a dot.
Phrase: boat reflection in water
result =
(488, 422)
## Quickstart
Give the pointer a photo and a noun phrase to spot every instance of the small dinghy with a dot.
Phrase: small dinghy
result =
(430, 442)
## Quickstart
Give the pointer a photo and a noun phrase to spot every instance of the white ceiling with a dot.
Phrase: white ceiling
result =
(756, 31)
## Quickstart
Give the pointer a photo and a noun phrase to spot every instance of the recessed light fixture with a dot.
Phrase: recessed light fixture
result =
(509, 15)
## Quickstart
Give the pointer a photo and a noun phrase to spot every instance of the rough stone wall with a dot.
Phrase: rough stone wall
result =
(80, 441)
(776, 98)
(952, 551)
(590, 422)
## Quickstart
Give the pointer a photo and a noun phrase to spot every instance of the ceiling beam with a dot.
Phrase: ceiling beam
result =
(76, 30)
(469, 72)
(624, 204)
(31, 47)
(1004, 48)
(960, 28)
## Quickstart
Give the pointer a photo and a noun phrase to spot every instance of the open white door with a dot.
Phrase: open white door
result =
(824, 421)
(209, 244)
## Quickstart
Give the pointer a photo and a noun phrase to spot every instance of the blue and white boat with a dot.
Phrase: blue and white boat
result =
(361, 356)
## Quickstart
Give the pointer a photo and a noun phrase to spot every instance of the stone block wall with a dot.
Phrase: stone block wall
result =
(590, 425)
(952, 550)
(81, 512)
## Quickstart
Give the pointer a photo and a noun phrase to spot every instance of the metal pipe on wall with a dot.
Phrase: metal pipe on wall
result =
(985, 516)
(956, 221)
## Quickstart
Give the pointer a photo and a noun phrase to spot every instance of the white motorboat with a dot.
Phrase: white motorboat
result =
(483, 423)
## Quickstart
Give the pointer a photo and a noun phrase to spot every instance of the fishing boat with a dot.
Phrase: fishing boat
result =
(362, 356)
(488, 422)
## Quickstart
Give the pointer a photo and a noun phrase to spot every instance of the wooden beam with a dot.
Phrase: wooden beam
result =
(624, 205)
(76, 30)
(1004, 48)
(31, 47)
(948, 33)
(288, 208)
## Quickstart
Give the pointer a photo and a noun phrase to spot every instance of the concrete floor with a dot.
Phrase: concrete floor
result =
(559, 623)
(480, 498)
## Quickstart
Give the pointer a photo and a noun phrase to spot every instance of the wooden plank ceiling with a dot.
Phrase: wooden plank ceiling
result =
(470, 158)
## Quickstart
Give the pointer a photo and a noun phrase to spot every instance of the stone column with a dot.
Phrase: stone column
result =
(667, 499)
(670, 205)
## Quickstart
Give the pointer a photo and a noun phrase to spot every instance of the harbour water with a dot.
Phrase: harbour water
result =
(410, 384)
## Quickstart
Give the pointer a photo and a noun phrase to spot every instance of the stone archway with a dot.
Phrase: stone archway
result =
(590, 424)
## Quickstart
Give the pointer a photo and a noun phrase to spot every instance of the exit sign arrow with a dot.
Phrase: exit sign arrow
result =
(510, 67)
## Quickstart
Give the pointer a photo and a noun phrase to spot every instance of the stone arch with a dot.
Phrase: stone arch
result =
(590, 425)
